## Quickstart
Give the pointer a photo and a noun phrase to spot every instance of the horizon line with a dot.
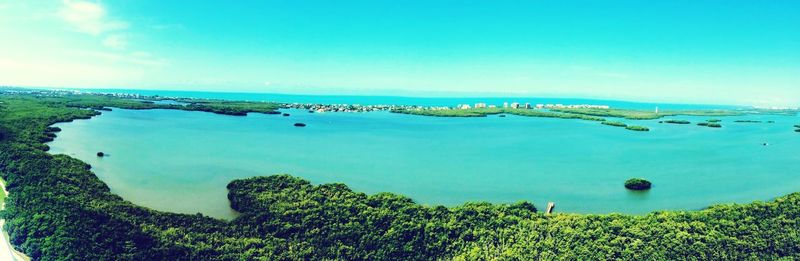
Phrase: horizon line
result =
(466, 95)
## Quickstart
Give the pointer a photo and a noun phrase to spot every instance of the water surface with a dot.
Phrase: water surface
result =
(180, 161)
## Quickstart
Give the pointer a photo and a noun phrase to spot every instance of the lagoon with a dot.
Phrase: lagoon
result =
(180, 161)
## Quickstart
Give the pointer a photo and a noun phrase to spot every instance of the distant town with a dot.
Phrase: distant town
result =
(319, 107)
(527, 105)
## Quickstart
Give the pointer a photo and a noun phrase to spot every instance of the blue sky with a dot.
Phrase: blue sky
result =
(734, 52)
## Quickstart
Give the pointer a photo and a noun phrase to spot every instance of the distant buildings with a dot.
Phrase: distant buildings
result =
(529, 106)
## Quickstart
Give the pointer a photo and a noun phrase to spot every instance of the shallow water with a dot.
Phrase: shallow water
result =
(181, 161)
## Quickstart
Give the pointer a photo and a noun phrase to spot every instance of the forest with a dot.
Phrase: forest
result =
(59, 210)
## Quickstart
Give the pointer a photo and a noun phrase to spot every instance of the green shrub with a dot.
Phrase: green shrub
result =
(637, 184)
(637, 128)
(677, 121)
(614, 123)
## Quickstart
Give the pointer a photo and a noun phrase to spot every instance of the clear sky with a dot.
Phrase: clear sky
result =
(734, 52)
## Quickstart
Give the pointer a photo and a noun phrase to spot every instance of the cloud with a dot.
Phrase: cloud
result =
(116, 41)
(92, 18)
(89, 18)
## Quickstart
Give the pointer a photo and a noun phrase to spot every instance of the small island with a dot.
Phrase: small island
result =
(299, 124)
(637, 128)
(638, 184)
(614, 123)
(676, 121)
(101, 154)
(710, 124)
(285, 114)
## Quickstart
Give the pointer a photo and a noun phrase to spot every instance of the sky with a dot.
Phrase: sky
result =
(723, 52)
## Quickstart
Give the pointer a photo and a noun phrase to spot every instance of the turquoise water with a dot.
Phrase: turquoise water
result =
(401, 100)
(181, 161)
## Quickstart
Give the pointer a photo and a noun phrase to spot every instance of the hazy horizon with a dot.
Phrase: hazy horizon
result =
(681, 52)
(421, 95)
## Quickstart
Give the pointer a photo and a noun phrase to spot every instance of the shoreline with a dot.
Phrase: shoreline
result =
(625, 126)
(6, 249)
(184, 235)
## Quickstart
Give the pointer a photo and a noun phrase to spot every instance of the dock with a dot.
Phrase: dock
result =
(550, 207)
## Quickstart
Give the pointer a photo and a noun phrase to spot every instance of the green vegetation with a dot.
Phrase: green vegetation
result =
(483, 112)
(59, 210)
(710, 124)
(714, 120)
(644, 115)
(637, 184)
(101, 102)
(623, 125)
(637, 128)
(474, 112)
(615, 123)
(676, 121)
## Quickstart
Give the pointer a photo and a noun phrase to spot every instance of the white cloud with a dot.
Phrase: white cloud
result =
(90, 18)
(116, 41)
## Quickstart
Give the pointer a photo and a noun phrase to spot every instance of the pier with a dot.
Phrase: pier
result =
(550, 207)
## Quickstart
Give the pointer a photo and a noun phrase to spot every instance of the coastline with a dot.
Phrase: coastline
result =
(7, 251)
(189, 236)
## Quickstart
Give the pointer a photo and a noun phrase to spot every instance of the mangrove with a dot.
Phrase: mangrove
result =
(637, 128)
(637, 184)
(614, 123)
(58, 209)
(676, 121)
